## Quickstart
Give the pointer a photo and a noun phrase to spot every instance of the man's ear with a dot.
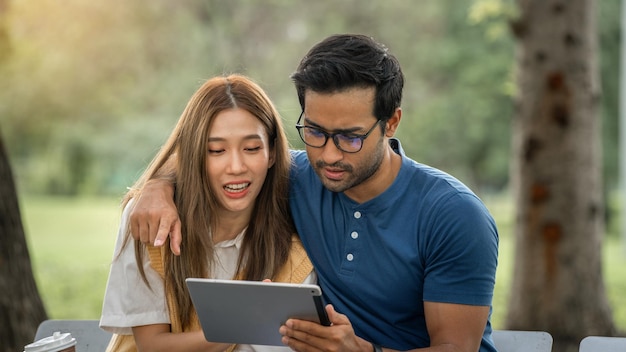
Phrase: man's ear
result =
(393, 123)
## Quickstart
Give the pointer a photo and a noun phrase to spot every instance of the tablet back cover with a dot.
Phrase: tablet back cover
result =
(250, 312)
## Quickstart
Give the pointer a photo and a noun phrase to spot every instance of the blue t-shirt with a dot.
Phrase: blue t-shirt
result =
(426, 238)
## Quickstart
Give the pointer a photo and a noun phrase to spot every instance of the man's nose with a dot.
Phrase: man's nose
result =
(331, 153)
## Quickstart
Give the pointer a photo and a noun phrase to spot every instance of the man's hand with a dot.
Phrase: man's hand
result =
(452, 327)
(303, 336)
(154, 215)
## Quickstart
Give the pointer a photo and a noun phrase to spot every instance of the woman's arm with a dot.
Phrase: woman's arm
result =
(158, 337)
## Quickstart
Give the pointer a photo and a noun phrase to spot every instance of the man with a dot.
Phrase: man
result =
(405, 254)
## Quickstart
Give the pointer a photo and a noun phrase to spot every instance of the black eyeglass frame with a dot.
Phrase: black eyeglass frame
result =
(334, 136)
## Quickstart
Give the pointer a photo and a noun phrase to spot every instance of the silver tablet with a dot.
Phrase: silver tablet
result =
(250, 312)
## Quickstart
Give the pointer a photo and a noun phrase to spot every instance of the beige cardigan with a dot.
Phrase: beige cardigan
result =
(297, 268)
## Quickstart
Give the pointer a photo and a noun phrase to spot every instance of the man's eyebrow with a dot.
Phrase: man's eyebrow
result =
(342, 130)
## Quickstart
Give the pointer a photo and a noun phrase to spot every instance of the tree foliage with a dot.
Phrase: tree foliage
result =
(93, 88)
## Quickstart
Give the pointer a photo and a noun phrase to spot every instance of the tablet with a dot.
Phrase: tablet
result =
(250, 312)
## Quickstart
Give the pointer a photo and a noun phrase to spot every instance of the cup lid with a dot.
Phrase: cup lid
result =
(57, 342)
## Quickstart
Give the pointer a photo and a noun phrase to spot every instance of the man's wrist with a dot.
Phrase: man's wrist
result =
(169, 177)
(157, 188)
(161, 183)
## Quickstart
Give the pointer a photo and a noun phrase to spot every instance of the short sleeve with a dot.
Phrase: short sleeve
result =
(128, 301)
(462, 255)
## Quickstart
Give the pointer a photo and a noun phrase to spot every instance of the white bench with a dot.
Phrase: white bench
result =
(522, 341)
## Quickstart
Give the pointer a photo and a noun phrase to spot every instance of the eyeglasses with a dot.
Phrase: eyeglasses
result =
(317, 138)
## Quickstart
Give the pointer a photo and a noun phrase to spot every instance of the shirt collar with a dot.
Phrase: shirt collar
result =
(233, 242)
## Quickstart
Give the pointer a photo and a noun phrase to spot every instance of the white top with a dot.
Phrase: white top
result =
(129, 302)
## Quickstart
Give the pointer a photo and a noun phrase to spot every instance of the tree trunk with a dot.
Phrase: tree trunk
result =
(556, 175)
(21, 308)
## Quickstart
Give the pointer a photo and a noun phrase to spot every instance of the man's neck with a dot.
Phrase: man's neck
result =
(381, 179)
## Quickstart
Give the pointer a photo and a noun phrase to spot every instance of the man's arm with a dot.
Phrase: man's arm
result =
(154, 215)
(452, 328)
(455, 327)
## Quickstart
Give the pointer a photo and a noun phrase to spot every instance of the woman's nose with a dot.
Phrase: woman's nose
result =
(236, 163)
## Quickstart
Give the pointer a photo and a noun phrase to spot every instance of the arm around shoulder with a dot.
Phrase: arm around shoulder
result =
(154, 216)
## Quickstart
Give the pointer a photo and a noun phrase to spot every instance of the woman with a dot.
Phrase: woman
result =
(232, 173)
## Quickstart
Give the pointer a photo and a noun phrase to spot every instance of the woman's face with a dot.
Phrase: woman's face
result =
(238, 158)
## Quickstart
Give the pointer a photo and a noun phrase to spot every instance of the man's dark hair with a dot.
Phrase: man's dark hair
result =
(345, 61)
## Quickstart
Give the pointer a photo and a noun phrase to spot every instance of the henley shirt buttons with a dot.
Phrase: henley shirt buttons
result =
(354, 235)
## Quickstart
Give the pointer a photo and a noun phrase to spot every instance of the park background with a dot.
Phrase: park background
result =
(92, 89)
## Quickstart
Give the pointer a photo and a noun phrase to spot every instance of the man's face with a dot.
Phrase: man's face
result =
(349, 112)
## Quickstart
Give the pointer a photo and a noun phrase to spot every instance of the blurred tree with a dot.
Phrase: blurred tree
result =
(21, 307)
(466, 72)
(115, 76)
(556, 175)
(609, 31)
(5, 43)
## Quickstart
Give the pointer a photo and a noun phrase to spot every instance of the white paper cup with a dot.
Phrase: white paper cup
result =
(58, 342)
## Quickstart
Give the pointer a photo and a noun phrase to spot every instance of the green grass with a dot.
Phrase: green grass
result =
(71, 245)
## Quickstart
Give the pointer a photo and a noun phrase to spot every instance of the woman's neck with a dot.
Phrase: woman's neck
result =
(229, 228)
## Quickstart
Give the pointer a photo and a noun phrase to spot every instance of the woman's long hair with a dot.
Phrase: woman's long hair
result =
(267, 240)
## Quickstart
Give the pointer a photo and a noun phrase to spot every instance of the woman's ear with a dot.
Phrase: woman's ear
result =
(272, 155)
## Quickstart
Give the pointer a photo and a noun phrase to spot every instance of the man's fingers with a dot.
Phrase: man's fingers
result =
(334, 317)
(140, 225)
(161, 234)
(143, 232)
(154, 216)
(176, 237)
(134, 229)
(297, 334)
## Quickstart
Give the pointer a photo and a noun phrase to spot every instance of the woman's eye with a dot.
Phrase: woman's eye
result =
(215, 151)
(253, 149)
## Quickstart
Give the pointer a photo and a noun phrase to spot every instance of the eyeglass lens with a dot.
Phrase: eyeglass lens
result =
(317, 138)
